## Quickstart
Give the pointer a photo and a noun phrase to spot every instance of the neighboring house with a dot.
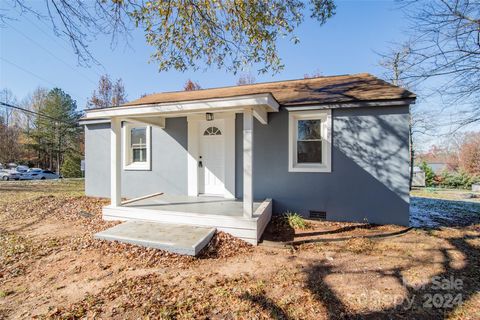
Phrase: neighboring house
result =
(438, 167)
(418, 178)
(329, 147)
(437, 159)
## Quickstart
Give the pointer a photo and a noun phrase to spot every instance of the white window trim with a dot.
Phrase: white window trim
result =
(136, 166)
(326, 117)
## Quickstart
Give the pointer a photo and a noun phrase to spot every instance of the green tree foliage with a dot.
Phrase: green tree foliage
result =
(227, 34)
(52, 138)
(461, 179)
(429, 174)
(71, 166)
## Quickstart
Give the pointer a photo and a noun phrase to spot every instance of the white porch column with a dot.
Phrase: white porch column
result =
(192, 160)
(247, 163)
(115, 165)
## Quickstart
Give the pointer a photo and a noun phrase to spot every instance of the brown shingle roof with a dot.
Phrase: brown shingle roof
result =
(332, 89)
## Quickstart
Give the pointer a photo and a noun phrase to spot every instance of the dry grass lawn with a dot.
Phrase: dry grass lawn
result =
(447, 194)
(50, 267)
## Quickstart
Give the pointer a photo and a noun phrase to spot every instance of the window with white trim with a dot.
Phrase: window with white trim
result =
(309, 147)
(137, 147)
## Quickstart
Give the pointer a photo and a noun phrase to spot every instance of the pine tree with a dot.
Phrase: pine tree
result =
(71, 166)
(51, 139)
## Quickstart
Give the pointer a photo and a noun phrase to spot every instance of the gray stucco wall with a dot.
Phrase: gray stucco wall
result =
(169, 162)
(370, 165)
(369, 178)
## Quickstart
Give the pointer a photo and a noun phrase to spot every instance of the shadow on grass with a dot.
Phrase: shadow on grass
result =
(372, 236)
(415, 305)
(339, 230)
(266, 304)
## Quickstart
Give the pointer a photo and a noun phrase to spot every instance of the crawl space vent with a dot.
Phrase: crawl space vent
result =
(320, 215)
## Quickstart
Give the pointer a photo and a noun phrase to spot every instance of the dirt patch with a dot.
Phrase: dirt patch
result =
(51, 267)
(49, 256)
(350, 279)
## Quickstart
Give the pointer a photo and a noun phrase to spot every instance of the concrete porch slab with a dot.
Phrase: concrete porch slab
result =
(176, 238)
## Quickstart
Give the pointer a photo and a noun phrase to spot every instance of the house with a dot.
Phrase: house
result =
(438, 167)
(439, 160)
(333, 148)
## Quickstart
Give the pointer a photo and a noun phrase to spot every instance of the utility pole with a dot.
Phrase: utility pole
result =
(57, 125)
(49, 153)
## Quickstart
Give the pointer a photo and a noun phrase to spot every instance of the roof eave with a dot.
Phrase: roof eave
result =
(264, 100)
(349, 104)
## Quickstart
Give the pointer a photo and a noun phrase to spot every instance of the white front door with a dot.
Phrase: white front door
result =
(212, 158)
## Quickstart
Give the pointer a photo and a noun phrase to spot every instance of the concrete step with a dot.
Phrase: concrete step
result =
(177, 238)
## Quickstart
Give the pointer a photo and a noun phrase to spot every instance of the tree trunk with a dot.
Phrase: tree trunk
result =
(411, 150)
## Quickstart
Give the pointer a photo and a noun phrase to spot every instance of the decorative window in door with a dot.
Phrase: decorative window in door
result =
(212, 131)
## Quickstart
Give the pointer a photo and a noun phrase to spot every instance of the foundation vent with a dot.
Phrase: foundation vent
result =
(320, 215)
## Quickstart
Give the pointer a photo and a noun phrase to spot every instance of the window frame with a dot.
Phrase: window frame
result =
(218, 132)
(325, 116)
(128, 164)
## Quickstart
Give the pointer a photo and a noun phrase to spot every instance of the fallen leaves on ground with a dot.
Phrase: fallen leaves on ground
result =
(51, 267)
(17, 252)
(203, 296)
(224, 245)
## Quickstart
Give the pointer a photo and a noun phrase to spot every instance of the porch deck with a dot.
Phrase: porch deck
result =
(200, 205)
(220, 213)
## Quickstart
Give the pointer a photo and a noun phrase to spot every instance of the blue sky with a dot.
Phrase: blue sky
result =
(346, 44)
(33, 56)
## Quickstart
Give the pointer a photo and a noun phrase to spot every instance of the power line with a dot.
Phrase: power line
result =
(27, 71)
(34, 113)
(51, 53)
(62, 44)
(33, 74)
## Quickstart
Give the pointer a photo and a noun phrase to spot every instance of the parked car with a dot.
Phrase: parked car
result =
(6, 175)
(38, 174)
(21, 169)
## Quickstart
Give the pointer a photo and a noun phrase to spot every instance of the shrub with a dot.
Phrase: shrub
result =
(457, 180)
(295, 220)
(429, 174)
(71, 166)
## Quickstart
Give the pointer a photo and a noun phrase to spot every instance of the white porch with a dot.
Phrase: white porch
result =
(243, 218)
(223, 214)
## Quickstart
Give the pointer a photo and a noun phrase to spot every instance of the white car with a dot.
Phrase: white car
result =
(38, 174)
(6, 175)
